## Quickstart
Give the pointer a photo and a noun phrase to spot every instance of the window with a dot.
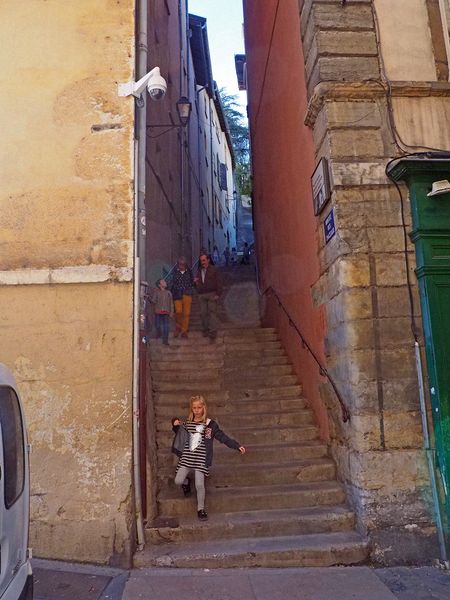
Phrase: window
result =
(13, 442)
(223, 177)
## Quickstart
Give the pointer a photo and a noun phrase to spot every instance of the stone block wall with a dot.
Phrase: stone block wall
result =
(363, 284)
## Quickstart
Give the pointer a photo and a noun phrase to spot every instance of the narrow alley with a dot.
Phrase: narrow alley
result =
(225, 214)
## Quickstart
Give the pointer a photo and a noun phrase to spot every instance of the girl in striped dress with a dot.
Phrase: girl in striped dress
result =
(193, 444)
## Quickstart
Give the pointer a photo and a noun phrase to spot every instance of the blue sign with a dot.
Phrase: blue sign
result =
(329, 226)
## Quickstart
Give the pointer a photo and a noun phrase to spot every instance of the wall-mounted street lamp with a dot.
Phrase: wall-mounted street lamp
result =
(184, 108)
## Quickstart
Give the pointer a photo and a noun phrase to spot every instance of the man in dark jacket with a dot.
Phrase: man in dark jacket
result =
(209, 287)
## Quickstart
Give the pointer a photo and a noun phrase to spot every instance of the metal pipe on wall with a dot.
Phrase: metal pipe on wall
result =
(140, 149)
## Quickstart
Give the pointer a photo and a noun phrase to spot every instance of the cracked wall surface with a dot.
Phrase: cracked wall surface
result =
(66, 251)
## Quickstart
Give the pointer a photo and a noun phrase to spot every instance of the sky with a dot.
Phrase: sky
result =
(226, 38)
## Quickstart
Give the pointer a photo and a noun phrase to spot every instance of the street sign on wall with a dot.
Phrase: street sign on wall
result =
(329, 226)
(320, 182)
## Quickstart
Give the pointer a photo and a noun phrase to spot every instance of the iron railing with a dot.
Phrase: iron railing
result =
(323, 371)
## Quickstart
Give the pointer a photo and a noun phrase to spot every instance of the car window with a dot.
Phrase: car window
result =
(13, 446)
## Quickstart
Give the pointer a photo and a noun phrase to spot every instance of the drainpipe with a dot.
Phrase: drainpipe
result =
(139, 256)
(213, 200)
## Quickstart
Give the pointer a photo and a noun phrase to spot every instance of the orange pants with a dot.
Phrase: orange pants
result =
(183, 312)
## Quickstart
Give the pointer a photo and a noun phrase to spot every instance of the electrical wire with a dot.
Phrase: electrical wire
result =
(154, 137)
(386, 84)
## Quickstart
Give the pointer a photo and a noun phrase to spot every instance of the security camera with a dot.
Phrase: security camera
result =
(156, 86)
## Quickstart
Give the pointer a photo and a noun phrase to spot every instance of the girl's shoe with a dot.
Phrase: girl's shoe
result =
(184, 335)
(186, 487)
(202, 515)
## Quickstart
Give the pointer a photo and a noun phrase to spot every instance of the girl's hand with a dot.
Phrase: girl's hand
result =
(176, 422)
(242, 450)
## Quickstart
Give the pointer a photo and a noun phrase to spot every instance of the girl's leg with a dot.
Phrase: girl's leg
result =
(181, 476)
(200, 487)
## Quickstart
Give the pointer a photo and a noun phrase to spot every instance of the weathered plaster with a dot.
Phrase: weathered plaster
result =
(73, 366)
(66, 248)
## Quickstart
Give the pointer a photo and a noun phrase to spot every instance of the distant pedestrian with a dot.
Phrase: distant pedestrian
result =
(162, 300)
(226, 255)
(216, 256)
(193, 444)
(245, 255)
(209, 287)
(234, 257)
(182, 289)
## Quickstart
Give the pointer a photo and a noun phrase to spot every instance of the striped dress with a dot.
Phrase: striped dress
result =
(194, 458)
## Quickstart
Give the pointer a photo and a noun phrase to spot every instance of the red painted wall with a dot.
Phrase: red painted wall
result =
(283, 161)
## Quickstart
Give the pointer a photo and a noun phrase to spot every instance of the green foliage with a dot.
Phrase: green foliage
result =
(238, 129)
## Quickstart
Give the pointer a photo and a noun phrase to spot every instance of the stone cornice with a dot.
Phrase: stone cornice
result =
(331, 90)
(61, 275)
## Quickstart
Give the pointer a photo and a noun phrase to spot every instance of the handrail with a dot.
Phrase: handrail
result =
(323, 370)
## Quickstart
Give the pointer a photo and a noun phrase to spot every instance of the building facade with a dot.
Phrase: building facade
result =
(96, 201)
(326, 80)
(67, 266)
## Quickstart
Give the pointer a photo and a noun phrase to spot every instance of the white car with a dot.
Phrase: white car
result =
(16, 578)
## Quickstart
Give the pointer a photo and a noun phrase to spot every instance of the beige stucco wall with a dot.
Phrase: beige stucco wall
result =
(423, 121)
(66, 263)
(405, 40)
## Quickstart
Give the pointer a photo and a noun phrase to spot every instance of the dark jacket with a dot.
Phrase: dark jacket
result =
(182, 284)
(212, 431)
(213, 281)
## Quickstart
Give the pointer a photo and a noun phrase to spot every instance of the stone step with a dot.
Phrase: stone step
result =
(268, 386)
(251, 474)
(258, 523)
(185, 367)
(310, 550)
(178, 354)
(207, 372)
(295, 418)
(258, 453)
(257, 381)
(203, 344)
(225, 324)
(191, 363)
(251, 361)
(234, 334)
(218, 408)
(238, 499)
(250, 337)
(275, 393)
(188, 387)
(250, 436)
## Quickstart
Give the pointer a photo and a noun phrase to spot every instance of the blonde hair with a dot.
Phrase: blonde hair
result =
(205, 408)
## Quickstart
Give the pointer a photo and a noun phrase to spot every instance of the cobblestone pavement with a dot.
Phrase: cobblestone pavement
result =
(69, 581)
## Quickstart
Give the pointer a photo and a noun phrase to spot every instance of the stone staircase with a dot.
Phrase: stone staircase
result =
(278, 505)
